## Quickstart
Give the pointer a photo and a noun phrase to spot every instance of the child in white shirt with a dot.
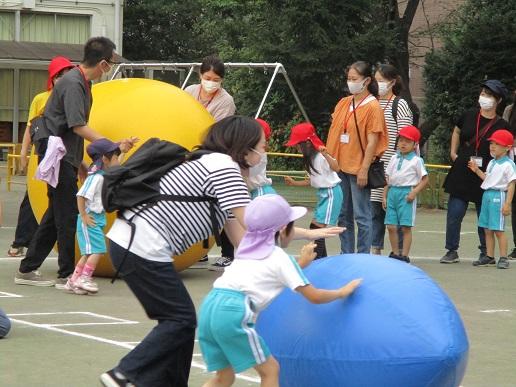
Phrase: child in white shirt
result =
(257, 181)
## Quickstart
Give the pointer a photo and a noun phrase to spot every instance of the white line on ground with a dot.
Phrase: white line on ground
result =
(495, 311)
(5, 294)
(14, 259)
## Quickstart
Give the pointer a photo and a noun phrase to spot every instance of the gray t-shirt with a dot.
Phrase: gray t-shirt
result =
(221, 106)
(68, 106)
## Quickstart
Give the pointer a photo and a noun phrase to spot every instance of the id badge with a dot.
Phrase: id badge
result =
(344, 138)
(477, 160)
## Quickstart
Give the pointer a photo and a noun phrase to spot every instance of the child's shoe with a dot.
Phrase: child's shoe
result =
(503, 263)
(484, 261)
(85, 283)
(71, 287)
(400, 257)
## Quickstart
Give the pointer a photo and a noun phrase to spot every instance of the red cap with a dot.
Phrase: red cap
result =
(266, 127)
(502, 137)
(410, 132)
(58, 64)
(304, 131)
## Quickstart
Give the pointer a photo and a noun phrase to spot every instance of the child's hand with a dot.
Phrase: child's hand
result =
(384, 203)
(473, 166)
(506, 209)
(411, 196)
(88, 220)
(289, 180)
(307, 254)
(349, 288)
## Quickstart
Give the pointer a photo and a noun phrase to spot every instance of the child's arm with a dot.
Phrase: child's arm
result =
(384, 197)
(507, 206)
(322, 296)
(297, 183)
(417, 189)
(307, 255)
(86, 218)
(474, 167)
(334, 165)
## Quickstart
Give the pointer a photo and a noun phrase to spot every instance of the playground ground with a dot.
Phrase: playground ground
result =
(58, 339)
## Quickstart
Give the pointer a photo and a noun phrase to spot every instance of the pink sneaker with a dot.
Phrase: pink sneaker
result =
(85, 283)
(71, 287)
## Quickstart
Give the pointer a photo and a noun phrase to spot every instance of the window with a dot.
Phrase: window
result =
(6, 25)
(54, 28)
(32, 82)
(6, 96)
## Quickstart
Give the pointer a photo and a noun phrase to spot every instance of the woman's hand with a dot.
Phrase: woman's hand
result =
(127, 143)
(453, 156)
(362, 177)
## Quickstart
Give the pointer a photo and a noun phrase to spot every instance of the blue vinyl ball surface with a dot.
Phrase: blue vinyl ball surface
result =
(398, 329)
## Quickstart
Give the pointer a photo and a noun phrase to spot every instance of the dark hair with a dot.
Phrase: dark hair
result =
(500, 99)
(234, 136)
(214, 63)
(96, 50)
(288, 230)
(366, 70)
(114, 153)
(309, 152)
(391, 73)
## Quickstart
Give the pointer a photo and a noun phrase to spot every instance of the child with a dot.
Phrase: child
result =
(259, 273)
(92, 217)
(322, 170)
(406, 177)
(498, 189)
(257, 181)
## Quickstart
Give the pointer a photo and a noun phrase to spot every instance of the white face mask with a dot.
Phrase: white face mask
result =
(486, 103)
(210, 86)
(383, 88)
(356, 87)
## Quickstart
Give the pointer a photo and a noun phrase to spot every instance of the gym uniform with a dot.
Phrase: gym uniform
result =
(258, 182)
(329, 192)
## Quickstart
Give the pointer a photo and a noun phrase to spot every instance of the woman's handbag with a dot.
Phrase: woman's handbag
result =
(376, 172)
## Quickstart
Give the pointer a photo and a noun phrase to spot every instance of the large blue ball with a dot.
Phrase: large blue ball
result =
(398, 329)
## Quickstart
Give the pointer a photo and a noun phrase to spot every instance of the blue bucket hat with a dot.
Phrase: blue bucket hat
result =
(496, 87)
(99, 148)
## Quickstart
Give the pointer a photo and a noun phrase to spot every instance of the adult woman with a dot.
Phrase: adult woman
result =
(168, 228)
(219, 104)
(469, 140)
(357, 135)
(27, 223)
(390, 86)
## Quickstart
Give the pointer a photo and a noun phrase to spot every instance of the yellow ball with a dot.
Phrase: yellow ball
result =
(141, 108)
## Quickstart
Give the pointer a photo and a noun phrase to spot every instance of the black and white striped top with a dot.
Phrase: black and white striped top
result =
(182, 224)
(404, 116)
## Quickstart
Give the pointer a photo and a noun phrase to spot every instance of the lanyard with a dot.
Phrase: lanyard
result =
(86, 82)
(211, 99)
(486, 128)
(387, 105)
(348, 113)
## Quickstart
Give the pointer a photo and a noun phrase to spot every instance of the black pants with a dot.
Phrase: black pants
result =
(513, 219)
(27, 224)
(58, 224)
(164, 357)
(227, 249)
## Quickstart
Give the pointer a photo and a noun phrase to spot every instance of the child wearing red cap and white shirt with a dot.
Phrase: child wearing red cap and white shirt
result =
(498, 186)
(257, 181)
(322, 169)
(406, 177)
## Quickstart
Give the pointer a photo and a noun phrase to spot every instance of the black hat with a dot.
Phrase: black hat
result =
(496, 87)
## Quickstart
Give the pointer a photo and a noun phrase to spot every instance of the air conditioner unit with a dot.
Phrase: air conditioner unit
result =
(29, 4)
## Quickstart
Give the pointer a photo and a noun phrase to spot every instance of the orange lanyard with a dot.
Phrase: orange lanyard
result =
(211, 99)
(86, 82)
(484, 131)
(348, 114)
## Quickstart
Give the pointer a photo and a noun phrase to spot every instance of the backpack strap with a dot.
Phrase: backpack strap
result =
(394, 111)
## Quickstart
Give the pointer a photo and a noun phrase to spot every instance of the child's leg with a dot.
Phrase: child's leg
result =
(393, 237)
(407, 239)
(320, 248)
(269, 372)
(502, 243)
(222, 378)
(84, 282)
(489, 242)
(91, 264)
(78, 268)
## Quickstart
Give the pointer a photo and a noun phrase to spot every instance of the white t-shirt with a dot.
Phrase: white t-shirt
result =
(91, 190)
(170, 227)
(499, 173)
(258, 175)
(327, 177)
(405, 171)
(221, 106)
(263, 280)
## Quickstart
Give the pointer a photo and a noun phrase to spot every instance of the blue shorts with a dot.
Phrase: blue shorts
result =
(263, 190)
(329, 203)
(400, 212)
(491, 216)
(226, 332)
(91, 239)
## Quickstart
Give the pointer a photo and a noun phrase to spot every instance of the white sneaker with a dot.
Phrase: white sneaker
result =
(85, 283)
(220, 264)
(70, 287)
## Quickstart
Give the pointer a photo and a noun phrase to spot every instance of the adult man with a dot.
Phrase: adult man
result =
(66, 113)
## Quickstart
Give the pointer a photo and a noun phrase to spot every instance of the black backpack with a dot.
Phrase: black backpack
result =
(136, 184)
(413, 108)
(39, 133)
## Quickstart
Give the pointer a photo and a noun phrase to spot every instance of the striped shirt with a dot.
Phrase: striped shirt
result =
(176, 225)
(404, 116)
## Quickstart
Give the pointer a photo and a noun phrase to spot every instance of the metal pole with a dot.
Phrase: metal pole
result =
(267, 91)
(295, 94)
(187, 77)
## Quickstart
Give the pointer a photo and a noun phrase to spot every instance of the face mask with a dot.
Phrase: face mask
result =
(210, 86)
(383, 88)
(356, 87)
(486, 103)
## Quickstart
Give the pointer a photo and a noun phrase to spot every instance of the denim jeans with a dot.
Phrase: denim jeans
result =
(456, 211)
(378, 227)
(5, 324)
(356, 206)
(164, 356)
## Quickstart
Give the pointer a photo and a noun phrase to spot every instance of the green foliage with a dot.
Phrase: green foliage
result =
(478, 44)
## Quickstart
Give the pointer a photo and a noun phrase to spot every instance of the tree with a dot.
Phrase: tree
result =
(477, 45)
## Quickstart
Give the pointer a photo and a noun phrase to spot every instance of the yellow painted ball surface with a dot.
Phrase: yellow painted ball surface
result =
(142, 108)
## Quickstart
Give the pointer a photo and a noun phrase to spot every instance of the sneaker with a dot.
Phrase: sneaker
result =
(33, 278)
(70, 287)
(503, 263)
(61, 282)
(114, 378)
(16, 251)
(402, 258)
(484, 261)
(201, 263)
(512, 255)
(220, 264)
(450, 257)
(85, 283)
